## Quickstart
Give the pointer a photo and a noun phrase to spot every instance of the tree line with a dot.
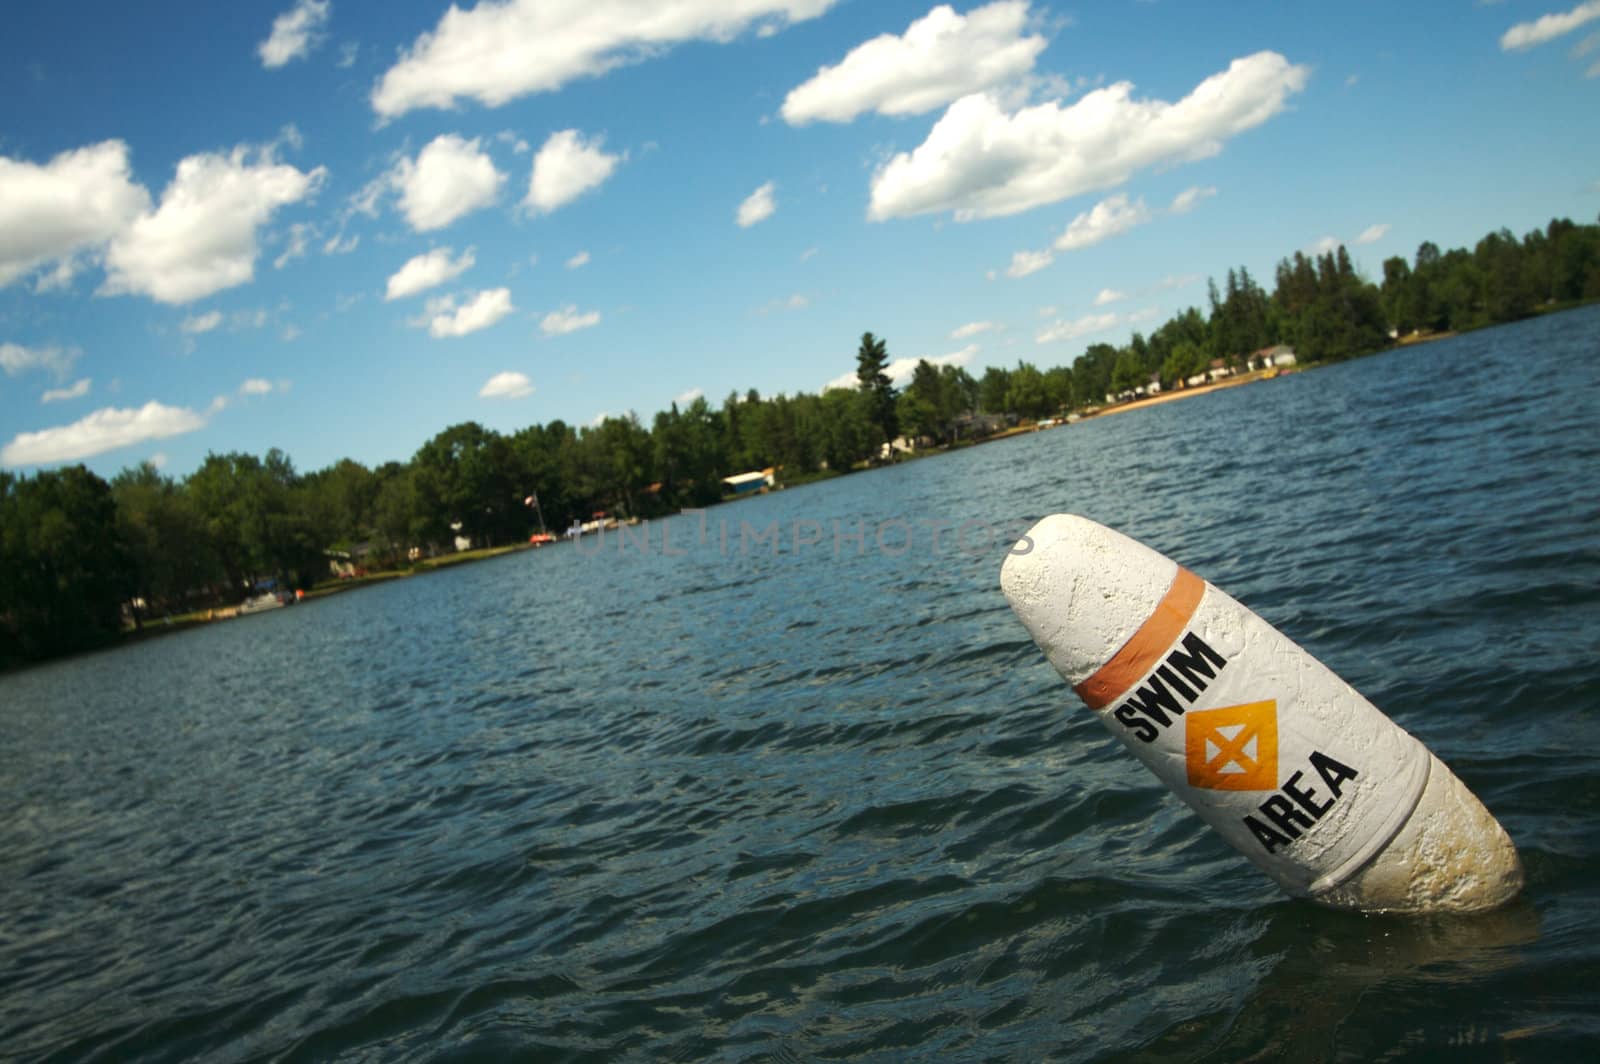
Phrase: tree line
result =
(75, 549)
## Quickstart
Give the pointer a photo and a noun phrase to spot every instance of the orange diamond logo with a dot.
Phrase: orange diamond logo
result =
(1234, 748)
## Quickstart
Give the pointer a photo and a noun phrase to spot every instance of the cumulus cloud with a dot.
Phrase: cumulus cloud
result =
(567, 166)
(1110, 217)
(1105, 219)
(685, 398)
(981, 162)
(507, 385)
(1548, 27)
(196, 324)
(972, 328)
(900, 370)
(1373, 233)
(497, 51)
(578, 260)
(1185, 201)
(758, 206)
(1084, 326)
(15, 359)
(451, 177)
(1108, 296)
(446, 318)
(568, 320)
(941, 57)
(1026, 262)
(102, 431)
(294, 33)
(256, 386)
(202, 238)
(425, 271)
(78, 390)
(79, 200)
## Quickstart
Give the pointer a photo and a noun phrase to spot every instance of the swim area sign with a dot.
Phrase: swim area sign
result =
(1289, 763)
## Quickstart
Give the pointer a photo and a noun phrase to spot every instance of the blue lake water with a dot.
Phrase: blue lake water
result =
(804, 789)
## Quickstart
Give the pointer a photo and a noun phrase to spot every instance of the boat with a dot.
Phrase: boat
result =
(750, 483)
(269, 600)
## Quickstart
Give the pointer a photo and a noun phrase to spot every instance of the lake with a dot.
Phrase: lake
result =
(786, 780)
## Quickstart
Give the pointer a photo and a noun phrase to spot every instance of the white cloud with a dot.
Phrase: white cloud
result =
(78, 390)
(338, 245)
(256, 386)
(1084, 326)
(425, 271)
(758, 206)
(808, 254)
(580, 259)
(980, 162)
(1593, 71)
(481, 311)
(1585, 46)
(972, 328)
(498, 51)
(1105, 219)
(1373, 233)
(798, 301)
(517, 144)
(900, 370)
(1183, 280)
(942, 57)
(450, 178)
(78, 200)
(347, 54)
(1325, 245)
(202, 238)
(685, 398)
(159, 459)
(15, 359)
(294, 33)
(1110, 217)
(196, 324)
(507, 385)
(568, 320)
(1108, 296)
(102, 431)
(1026, 262)
(1185, 201)
(1548, 27)
(299, 236)
(566, 167)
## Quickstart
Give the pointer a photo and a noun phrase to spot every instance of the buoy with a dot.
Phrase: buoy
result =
(1299, 772)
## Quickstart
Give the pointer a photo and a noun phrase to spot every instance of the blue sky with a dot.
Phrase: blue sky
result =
(338, 227)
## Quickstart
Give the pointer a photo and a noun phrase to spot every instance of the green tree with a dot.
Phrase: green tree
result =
(992, 390)
(64, 571)
(169, 553)
(872, 358)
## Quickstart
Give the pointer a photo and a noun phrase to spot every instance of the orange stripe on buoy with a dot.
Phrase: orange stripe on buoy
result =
(1146, 646)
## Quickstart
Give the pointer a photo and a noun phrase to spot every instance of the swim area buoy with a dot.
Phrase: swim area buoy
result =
(1299, 772)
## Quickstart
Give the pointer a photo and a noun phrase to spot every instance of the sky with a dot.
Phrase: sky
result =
(338, 228)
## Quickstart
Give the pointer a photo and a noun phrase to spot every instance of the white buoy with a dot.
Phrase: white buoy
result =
(1305, 777)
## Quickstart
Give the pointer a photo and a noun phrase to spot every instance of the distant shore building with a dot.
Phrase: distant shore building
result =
(750, 483)
(1278, 355)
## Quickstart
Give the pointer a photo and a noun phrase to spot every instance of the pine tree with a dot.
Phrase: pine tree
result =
(871, 360)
